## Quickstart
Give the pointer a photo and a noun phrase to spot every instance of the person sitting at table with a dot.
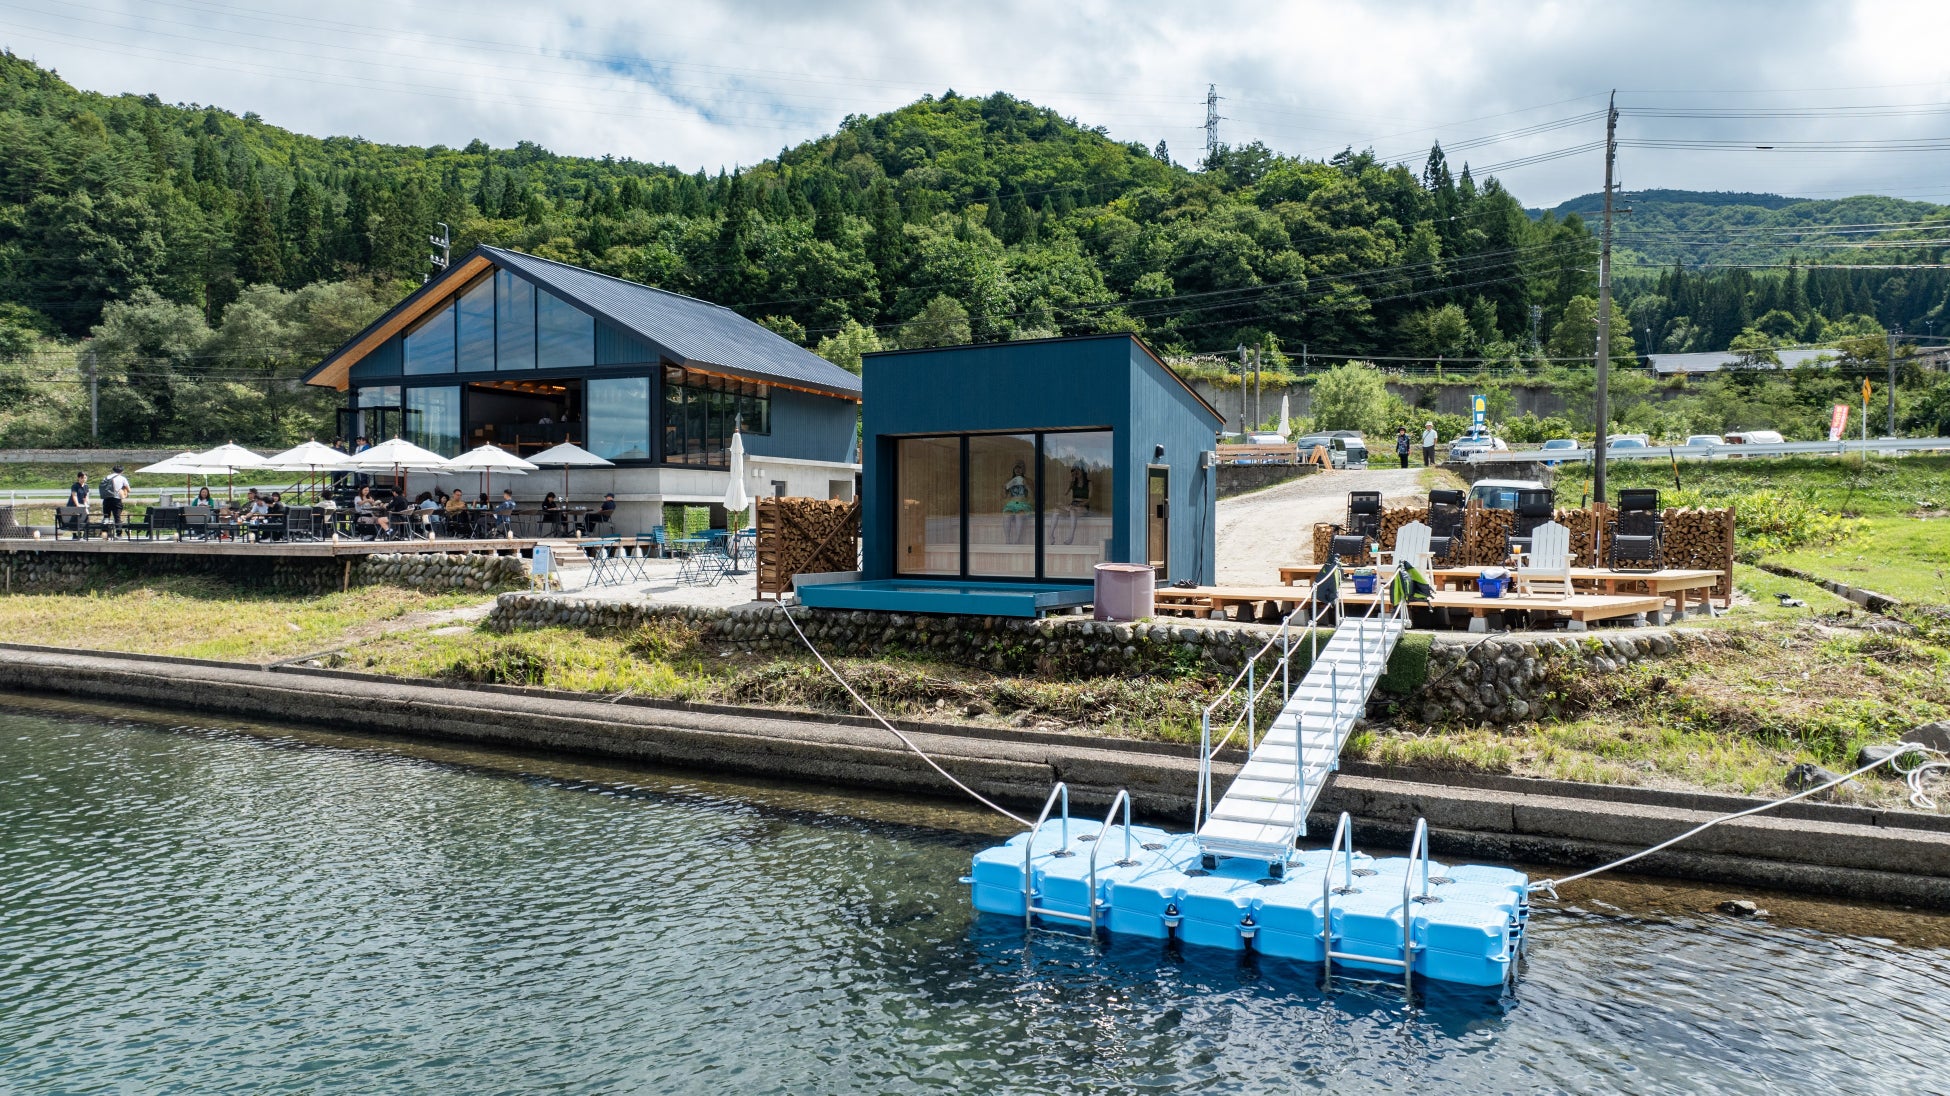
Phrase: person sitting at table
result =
(456, 503)
(482, 502)
(369, 516)
(602, 514)
(78, 490)
(204, 500)
(276, 506)
(399, 511)
(552, 511)
(257, 507)
(504, 511)
(424, 501)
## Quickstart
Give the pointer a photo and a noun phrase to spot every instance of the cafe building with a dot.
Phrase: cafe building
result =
(996, 477)
(521, 352)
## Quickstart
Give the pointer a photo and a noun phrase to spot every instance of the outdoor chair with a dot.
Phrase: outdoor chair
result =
(704, 567)
(660, 538)
(1534, 508)
(1546, 565)
(301, 523)
(1638, 539)
(197, 524)
(1347, 549)
(1411, 548)
(71, 519)
(1363, 514)
(1446, 516)
(600, 572)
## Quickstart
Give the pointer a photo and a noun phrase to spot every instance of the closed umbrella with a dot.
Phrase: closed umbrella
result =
(1285, 425)
(736, 499)
(312, 457)
(569, 455)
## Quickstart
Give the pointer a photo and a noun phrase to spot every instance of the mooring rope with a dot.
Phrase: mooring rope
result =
(895, 731)
(1915, 773)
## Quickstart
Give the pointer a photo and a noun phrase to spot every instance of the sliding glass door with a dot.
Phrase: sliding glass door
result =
(1004, 506)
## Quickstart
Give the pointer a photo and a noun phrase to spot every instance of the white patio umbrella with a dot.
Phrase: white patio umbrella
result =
(227, 460)
(487, 460)
(569, 455)
(312, 457)
(1286, 425)
(178, 465)
(736, 499)
(401, 456)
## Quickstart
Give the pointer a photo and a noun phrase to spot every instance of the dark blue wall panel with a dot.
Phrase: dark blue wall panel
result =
(808, 427)
(614, 346)
(384, 361)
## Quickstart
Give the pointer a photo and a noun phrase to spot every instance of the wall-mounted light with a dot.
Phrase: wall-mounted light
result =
(1157, 452)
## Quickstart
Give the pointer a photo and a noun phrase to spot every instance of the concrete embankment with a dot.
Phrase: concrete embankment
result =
(1830, 849)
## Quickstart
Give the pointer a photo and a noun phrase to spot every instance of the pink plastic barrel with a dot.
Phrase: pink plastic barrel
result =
(1125, 591)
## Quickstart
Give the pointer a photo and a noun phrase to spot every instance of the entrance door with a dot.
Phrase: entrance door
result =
(1157, 523)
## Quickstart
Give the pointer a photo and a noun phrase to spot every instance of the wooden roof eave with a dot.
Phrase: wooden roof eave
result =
(336, 371)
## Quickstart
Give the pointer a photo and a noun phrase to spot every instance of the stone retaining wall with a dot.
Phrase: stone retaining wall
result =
(50, 572)
(1055, 646)
(1509, 679)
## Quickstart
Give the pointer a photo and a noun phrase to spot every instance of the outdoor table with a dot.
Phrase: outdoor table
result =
(1581, 608)
(1256, 600)
(1682, 584)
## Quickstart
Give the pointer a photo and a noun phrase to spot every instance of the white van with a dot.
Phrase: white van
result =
(1756, 437)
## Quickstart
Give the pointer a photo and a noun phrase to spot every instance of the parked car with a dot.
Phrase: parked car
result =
(1501, 494)
(1704, 439)
(1755, 437)
(1628, 441)
(1476, 441)
(1342, 451)
(1559, 443)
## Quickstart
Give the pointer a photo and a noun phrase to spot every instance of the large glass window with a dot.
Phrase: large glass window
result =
(700, 411)
(565, 336)
(514, 322)
(430, 346)
(928, 528)
(1076, 503)
(474, 324)
(1002, 505)
(619, 418)
(436, 425)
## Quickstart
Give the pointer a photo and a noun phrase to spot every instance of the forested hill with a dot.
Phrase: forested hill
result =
(1695, 227)
(952, 217)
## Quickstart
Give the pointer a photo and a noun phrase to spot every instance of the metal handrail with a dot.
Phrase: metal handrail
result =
(1343, 834)
(1062, 790)
(1123, 798)
(1418, 852)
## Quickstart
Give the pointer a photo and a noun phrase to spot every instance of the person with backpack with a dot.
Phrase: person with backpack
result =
(114, 489)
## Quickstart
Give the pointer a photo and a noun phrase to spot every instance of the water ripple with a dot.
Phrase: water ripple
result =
(193, 909)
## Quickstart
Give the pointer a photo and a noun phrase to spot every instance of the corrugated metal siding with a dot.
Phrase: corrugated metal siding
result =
(683, 328)
(808, 427)
(384, 361)
(615, 346)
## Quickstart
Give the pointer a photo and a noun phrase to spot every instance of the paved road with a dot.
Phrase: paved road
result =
(1260, 531)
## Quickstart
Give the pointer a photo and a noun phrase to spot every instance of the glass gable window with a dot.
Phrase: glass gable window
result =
(474, 327)
(565, 336)
(1002, 505)
(433, 419)
(430, 346)
(700, 411)
(514, 322)
(619, 418)
(1076, 503)
(928, 524)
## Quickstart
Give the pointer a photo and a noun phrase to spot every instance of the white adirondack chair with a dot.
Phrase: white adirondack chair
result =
(1411, 547)
(1546, 568)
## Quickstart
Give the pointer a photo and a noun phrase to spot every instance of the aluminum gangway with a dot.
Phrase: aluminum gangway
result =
(1264, 811)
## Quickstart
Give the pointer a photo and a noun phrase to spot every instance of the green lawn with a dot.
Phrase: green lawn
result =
(1903, 557)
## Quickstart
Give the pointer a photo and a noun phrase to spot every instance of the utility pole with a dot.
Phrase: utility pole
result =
(94, 400)
(1212, 119)
(1259, 407)
(1244, 410)
(1604, 308)
(1892, 381)
(445, 243)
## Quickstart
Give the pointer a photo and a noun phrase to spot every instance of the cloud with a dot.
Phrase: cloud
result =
(719, 84)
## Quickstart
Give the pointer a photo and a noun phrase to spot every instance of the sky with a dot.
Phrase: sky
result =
(1515, 89)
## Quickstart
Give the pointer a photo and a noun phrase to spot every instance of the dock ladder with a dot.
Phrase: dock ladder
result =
(1264, 811)
(1060, 794)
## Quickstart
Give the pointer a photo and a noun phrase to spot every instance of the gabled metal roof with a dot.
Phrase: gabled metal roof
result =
(690, 331)
(685, 330)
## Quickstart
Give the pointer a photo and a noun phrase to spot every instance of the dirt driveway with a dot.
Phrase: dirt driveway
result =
(1259, 532)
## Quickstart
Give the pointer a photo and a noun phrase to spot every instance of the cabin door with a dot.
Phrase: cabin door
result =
(1157, 521)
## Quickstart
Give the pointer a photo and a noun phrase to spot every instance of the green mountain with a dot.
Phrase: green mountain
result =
(1699, 228)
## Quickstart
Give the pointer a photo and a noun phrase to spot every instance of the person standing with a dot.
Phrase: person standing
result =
(1401, 444)
(78, 490)
(1428, 444)
(114, 490)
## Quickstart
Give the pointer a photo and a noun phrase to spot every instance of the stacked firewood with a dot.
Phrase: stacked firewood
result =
(798, 536)
(1394, 517)
(1702, 540)
(1486, 536)
(1584, 553)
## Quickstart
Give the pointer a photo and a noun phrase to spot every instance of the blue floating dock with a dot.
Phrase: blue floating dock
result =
(1465, 924)
(1002, 599)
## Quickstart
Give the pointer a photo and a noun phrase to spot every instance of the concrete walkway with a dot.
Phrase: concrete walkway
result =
(1259, 532)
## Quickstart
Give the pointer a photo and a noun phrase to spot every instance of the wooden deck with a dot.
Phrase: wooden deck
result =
(1683, 586)
(1582, 609)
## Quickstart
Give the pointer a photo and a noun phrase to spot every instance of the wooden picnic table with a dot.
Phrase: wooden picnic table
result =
(1581, 608)
(1282, 599)
(1680, 583)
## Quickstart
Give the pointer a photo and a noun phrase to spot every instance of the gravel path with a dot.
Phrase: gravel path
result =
(1259, 532)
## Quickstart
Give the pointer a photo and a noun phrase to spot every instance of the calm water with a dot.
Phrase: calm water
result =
(192, 908)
